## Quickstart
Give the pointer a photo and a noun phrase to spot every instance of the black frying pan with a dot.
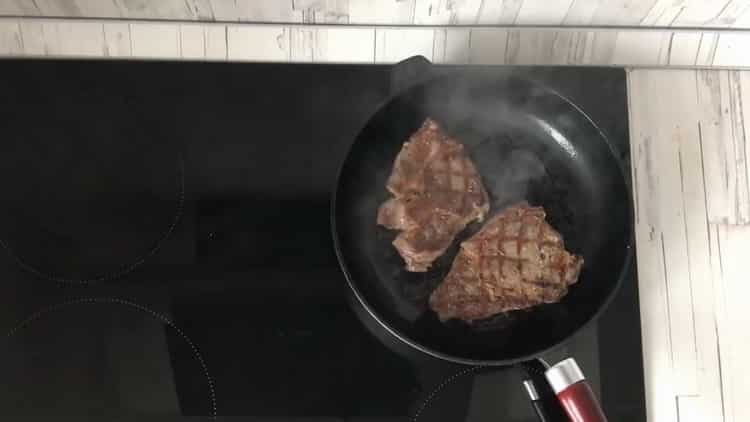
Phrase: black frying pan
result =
(528, 143)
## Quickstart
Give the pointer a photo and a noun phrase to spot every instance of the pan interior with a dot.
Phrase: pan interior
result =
(528, 144)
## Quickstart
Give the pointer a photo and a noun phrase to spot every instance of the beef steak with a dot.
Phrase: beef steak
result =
(517, 260)
(436, 193)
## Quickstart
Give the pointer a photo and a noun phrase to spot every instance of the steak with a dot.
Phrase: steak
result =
(517, 260)
(436, 193)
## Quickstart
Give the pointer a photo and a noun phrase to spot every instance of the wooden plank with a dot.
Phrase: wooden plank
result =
(50, 38)
(663, 13)
(116, 39)
(215, 37)
(322, 11)
(699, 13)
(258, 43)
(706, 406)
(381, 12)
(724, 151)
(719, 250)
(743, 21)
(729, 14)
(224, 10)
(154, 40)
(543, 12)
(539, 47)
(641, 47)
(393, 45)
(734, 341)
(488, 46)
(690, 409)
(432, 12)
(444, 45)
(582, 48)
(192, 41)
(466, 12)
(171, 9)
(603, 46)
(10, 38)
(668, 102)
(707, 49)
(731, 50)
(200, 9)
(652, 289)
(715, 13)
(684, 48)
(303, 41)
(581, 12)
(744, 101)
(32, 38)
(457, 46)
(716, 134)
(18, 8)
(96, 8)
(609, 12)
(266, 11)
(79, 38)
(499, 12)
(438, 45)
(56, 8)
(346, 45)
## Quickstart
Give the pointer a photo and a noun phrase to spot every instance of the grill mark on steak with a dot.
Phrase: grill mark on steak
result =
(517, 260)
(437, 191)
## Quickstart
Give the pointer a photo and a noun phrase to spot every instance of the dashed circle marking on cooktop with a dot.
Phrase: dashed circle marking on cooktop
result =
(124, 270)
(117, 301)
(440, 388)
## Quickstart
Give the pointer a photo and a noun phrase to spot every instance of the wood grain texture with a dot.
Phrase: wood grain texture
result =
(33, 38)
(660, 13)
(393, 45)
(663, 123)
(731, 50)
(192, 41)
(652, 283)
(116, 39)
(353, 45)
(692, 121)
(724, 152)
(312, 43)
(11, 43)
(152, 40)
(488, 46)
(733, 242)
(456, 47)
(683, 48)
(259, 43)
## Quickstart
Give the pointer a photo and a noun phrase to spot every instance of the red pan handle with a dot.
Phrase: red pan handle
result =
(574, 393)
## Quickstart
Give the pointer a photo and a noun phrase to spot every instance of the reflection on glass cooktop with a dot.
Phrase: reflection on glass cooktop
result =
(167, 251)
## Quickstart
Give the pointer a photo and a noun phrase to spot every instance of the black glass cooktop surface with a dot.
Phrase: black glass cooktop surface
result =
(166, 250)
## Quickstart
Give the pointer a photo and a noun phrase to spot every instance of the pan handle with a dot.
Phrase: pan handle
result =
(539, 392)
(574, 393)
(410, 72)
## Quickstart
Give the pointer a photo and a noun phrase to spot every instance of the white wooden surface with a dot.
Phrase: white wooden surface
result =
(691, 187)
(316, 43)
(689, 131)
(690, 13)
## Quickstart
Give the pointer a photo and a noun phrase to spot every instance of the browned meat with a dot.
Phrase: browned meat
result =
(437, 192)
(516, 261)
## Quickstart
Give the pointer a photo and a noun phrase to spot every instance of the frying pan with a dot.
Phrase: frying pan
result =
(528, 143)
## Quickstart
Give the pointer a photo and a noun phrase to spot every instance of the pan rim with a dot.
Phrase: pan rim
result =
(623, 272)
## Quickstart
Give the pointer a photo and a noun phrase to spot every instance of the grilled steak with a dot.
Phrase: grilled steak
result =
(517, 260)
(437, 192)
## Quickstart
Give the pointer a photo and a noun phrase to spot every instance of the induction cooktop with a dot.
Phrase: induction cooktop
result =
(166, 250)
